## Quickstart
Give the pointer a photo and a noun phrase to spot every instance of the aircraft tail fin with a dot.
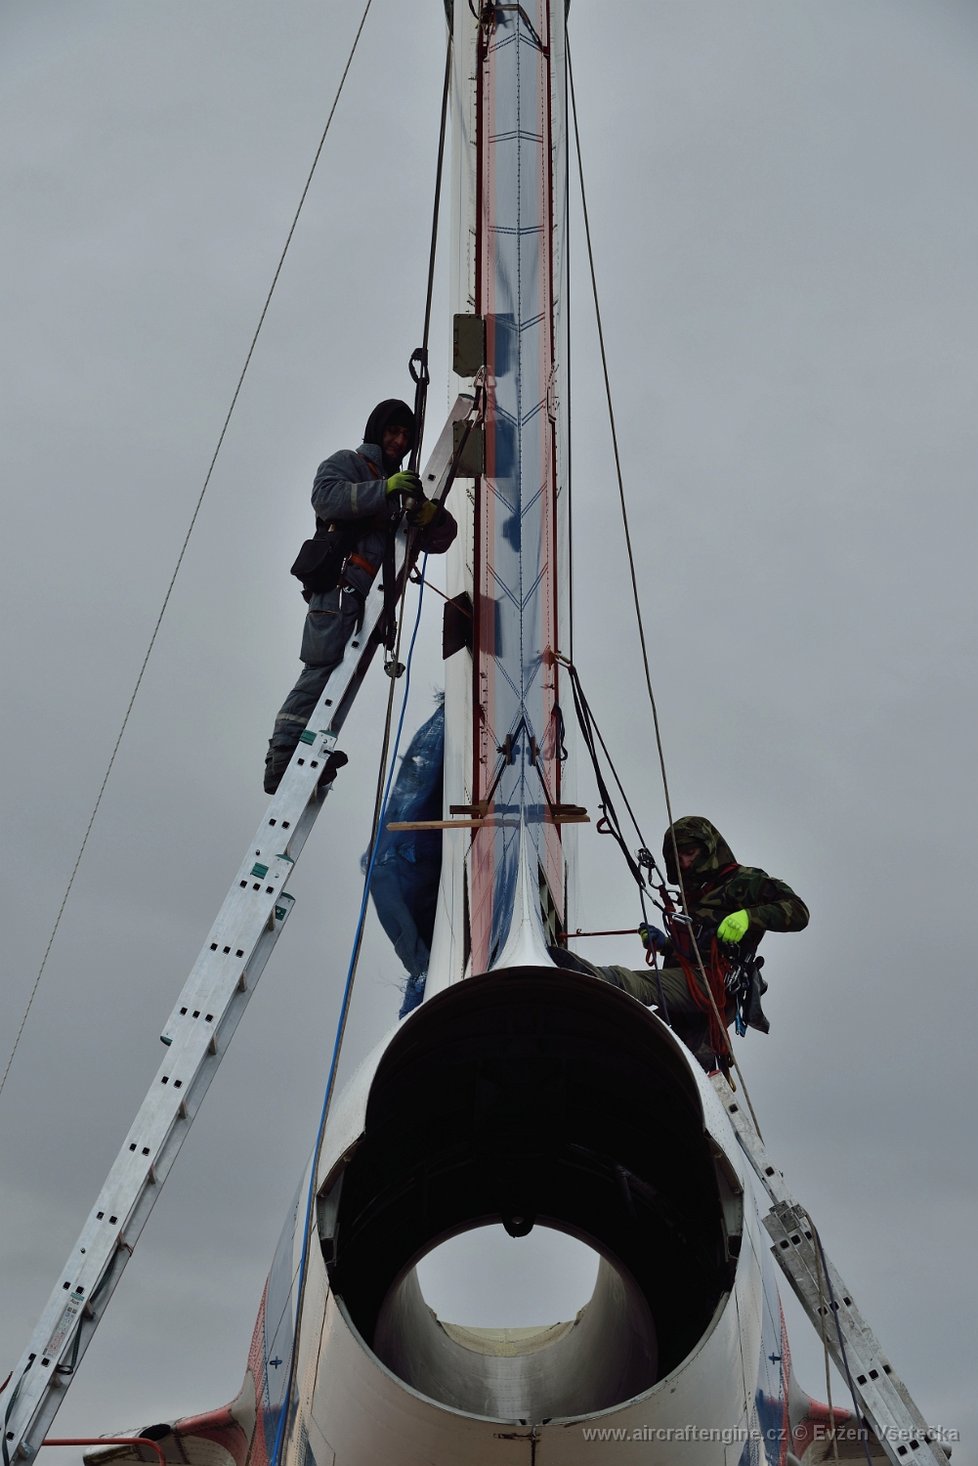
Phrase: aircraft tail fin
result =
(221, 1437)
(819, 1434)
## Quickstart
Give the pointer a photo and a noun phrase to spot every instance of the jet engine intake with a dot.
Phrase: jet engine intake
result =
(533, 1096)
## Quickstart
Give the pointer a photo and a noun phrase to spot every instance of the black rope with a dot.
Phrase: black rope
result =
(418, 365)
(629, 548)
(569, 389)
(609, 824)
(644, 860)
(644, 857)
(382, 779)
(183, 549)
(617, 456)
(418, 368)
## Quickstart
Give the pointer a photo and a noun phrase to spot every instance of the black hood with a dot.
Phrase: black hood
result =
(392, 410)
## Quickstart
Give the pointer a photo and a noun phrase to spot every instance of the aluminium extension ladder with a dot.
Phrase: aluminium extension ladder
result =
(883, 1398)
(202, 1023)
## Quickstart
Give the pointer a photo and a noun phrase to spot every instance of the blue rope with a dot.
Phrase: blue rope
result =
(344, 1006)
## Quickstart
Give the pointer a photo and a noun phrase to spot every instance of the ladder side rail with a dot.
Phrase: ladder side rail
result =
(207, 1016)
(111, 1231)
(818, 1286)
(197, 1034)
(883, 1397)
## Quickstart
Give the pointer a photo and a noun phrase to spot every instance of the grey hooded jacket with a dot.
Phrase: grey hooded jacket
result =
(352, 486)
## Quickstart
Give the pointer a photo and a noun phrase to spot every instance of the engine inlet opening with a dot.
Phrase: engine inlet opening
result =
(561, 1331)
(488, 1279)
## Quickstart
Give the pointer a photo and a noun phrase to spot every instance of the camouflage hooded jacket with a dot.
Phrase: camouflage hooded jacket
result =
(716, 885)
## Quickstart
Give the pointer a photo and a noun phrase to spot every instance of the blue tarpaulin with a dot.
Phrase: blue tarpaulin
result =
(404, 884)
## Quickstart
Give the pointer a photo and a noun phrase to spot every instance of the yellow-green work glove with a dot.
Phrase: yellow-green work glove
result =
(404, 482)
(732, 927)
(425, 512)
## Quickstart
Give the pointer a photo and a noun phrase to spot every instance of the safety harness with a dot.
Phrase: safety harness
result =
(733, 975)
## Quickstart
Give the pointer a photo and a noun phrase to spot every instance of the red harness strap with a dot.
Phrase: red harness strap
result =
(362, 564)
(716, 967)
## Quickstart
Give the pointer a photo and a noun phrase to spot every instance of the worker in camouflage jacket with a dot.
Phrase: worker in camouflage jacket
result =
(358, 495)
(730, 907)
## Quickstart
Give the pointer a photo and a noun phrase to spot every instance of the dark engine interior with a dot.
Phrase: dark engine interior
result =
(535, 1096)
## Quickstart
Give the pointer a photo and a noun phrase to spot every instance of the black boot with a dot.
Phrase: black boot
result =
(334, 762)
(276, 762)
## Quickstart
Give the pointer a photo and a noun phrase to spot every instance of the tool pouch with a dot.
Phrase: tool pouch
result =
(319, 563)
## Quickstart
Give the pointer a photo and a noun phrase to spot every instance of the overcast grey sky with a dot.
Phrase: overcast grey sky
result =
(784, 203)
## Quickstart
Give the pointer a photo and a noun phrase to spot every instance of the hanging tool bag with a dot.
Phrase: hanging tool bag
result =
(319, 563)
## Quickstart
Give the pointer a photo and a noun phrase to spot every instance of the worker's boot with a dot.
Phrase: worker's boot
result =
(334, 762)
(276, 762)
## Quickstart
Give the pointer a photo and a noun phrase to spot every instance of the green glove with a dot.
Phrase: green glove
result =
(404, 482)
(423, 514)
(732, 927)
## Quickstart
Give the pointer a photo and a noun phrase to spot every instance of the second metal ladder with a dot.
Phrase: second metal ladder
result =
(886, 1404)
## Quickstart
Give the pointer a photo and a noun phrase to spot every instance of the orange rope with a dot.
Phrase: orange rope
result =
(712, 1006)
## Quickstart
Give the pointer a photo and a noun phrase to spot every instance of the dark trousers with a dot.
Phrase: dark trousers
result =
(330, 622)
